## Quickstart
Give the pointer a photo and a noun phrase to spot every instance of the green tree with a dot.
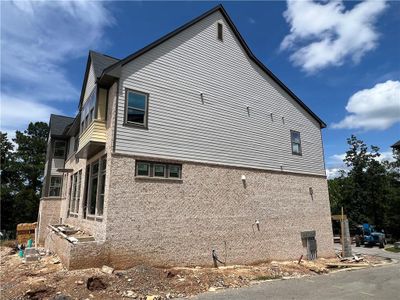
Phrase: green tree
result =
(22, 174)
(370, 191)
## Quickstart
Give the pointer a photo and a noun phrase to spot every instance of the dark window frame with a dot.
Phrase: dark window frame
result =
(220, 31)
(151, 173)
(146, 110)
(55, 148)
(292, 142)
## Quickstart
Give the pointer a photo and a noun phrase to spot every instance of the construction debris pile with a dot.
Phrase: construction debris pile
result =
(71, 234)
(45, 278)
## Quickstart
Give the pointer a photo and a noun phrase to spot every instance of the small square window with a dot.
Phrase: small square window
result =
(159, 170)
(220, 31)
(174, 171)
(143, 169)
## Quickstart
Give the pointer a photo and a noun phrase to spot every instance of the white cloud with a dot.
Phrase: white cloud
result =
(38, 40)
(336, 165)
(326, 34)
(16, 113)
(334, 172)
(376, 108)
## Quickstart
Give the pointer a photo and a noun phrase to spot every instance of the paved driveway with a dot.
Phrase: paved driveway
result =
(376, 251)
(372, 283)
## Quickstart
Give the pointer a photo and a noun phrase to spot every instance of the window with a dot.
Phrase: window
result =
(59, 149)
(158, 170)
(75, 194)
(136, 108)
(174, 171)
(296, 142)
(220, 36)
(91, 115)
(143, 169)
(55, 186)
(76, 143)
(96, 187)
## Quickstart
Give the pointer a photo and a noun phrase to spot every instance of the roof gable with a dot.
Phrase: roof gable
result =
(58, 124)
(96, 63)
(242, 42)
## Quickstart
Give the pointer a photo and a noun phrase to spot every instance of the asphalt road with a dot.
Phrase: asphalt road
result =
(376, 282)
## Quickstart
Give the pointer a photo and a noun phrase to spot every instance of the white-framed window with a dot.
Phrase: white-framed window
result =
(158, 170)
(296, 142)
(55, 186)
(96, 188)
(75, 192)
(136, 108)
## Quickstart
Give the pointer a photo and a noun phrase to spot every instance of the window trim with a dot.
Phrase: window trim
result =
(165, 170)
(151, 173)
(75, 194)
(292, 142)
(179, 173)
(98, 176)
(146, 110)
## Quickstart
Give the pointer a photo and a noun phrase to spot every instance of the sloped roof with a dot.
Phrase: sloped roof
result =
(221, 9)
(58, 124)
(396, 145)
(101, 61)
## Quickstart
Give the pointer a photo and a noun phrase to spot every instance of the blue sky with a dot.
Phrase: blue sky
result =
(341, 58)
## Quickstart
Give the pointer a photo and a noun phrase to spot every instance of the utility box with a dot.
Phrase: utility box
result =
(309, 241)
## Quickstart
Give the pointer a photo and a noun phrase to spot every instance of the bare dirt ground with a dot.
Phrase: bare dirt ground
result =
(47, 279)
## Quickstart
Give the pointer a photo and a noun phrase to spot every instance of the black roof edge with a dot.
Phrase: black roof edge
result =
(396, 145)
(89, 59)
(97, 52)
(220, 8)
(161, 40)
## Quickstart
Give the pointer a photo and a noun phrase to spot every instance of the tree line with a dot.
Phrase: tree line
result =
(369, 191)
(22, 165)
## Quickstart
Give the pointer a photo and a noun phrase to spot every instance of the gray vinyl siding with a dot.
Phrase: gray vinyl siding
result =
(219, 131)
(90, 84)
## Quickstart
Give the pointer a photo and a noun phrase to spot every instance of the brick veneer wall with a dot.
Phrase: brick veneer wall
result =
(49, 213)
(80, 255)
(165, 222)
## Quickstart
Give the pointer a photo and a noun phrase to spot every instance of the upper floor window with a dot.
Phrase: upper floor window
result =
(55, 186)
(296, 142)
(136, 108)
(220, 31)
(59, 149)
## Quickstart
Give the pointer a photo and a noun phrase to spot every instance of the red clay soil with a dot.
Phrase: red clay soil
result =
(46, 279)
